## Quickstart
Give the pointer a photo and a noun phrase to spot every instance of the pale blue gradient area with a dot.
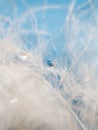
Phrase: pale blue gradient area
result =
(49, 18)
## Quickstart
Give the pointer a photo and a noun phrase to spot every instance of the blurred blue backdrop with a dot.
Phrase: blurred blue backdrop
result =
(61, 26)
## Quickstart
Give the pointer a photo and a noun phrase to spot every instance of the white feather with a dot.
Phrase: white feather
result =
(49, 81)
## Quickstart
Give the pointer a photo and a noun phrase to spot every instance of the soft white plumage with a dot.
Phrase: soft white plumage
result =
(48, 80)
